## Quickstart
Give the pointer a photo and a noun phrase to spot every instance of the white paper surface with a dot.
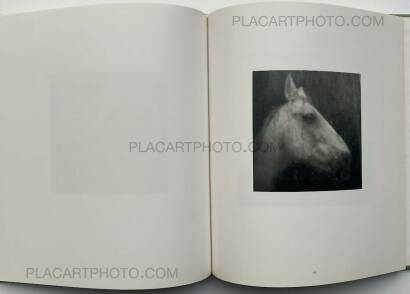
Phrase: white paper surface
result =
(76, 86)
(407, 129)
(306, 238)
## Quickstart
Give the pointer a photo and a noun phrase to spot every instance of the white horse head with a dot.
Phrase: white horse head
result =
(301, 135)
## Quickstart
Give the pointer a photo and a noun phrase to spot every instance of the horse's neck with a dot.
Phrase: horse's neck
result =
(270, 158)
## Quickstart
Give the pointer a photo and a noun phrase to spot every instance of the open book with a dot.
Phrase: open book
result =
(149, 146)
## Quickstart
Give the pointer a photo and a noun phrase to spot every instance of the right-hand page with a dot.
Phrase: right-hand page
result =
(307, 131)
(406, 21)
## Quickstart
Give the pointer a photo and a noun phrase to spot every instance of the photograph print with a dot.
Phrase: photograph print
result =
(306, 131)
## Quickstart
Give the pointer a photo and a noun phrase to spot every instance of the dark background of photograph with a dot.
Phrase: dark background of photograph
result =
(337, 96)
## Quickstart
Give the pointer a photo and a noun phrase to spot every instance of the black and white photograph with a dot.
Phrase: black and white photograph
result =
(306, 131)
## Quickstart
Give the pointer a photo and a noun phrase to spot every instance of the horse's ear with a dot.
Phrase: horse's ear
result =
(290, 88)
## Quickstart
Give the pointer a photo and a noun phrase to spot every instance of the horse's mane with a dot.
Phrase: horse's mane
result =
(268, 119)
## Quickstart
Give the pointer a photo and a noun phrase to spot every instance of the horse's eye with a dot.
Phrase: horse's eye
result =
(309, 117)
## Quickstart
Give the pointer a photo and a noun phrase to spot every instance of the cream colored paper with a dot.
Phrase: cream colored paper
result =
(77, 85)
(290, 239)
(406, 21)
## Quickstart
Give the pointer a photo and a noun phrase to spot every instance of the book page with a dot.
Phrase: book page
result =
(406, 21)
(89, 100)
(311, 189)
